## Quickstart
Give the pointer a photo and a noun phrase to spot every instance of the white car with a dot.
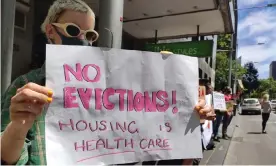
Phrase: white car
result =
(273, 104)
(251, 105)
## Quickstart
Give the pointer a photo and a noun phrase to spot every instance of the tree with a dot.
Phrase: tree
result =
(250, 78)
(222, 63)
(266, 86)
(224, 42)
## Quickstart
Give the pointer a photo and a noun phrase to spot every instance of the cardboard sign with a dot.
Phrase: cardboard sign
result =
(119, 106)
(219, 101)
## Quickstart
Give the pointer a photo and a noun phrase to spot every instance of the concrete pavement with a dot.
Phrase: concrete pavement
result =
(217, 155)
(249, 146)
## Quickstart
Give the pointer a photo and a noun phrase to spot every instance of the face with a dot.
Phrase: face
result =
(84, 21)
(209, 89)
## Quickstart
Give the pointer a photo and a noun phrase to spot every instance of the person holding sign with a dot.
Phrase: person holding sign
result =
(224, 116)
(69, 22)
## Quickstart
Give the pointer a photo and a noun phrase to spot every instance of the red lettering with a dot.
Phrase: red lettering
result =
(69, 98)
(83, 122)
(80, 147)
(168, 125)
(131, 143)
(159, 142)
(162, 96)
(91, 128)
(129, 100)
(150, 102)
(106, 94)
(77, 73)
(98, 99)
(130, 130)
(141, 144)
(85, 96)
(138, 102)
(122, 93)
(107, 144)
(118, 125)
(103, 123)
(88, 145)
(151, 143)
(71, 124)
(99, 143)
(165, 143)
(85, 73)
(118, 140)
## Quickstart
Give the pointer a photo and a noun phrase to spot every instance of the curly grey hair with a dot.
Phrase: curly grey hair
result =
(60, 6)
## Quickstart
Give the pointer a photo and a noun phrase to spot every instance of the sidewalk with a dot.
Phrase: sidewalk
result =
(217, 155)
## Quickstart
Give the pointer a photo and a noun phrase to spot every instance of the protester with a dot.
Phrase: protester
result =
(266, 106)
(228, 115)
(223, 116)
(69, 22)
(210, 116)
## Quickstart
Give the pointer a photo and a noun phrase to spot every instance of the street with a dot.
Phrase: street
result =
(247, 146)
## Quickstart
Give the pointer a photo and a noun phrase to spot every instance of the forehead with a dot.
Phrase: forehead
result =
(84, 20)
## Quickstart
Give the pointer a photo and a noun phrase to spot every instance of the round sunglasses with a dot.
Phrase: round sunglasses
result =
(72, 30)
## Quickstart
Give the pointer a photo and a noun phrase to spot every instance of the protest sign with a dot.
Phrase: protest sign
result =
(219, 101)
(208, 125)
(113, 106)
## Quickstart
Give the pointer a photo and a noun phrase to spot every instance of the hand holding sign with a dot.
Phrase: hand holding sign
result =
(28, 104)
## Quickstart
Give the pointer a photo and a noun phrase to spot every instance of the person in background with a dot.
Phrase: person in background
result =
(266, 106)
(228, 115)
(209, 116)
(223, 117)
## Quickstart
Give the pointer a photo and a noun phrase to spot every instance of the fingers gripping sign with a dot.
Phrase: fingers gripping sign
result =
(28, 103)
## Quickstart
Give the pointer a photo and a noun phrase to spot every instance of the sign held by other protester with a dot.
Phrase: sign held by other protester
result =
(115, 106)
(219, 101)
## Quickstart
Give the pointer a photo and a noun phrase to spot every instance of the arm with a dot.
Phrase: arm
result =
(12, 141)
(13, 144)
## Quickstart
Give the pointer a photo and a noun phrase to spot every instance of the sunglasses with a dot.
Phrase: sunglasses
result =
(72, 30)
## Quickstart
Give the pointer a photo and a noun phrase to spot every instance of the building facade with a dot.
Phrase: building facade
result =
(272, 70)
(130, 23)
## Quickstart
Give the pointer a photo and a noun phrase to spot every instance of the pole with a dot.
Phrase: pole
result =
(7, 35)
(111, 18)
(230, 62)
(235, 44)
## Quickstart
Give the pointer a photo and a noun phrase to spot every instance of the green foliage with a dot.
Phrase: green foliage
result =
(222, 63)
(224, 42)
(250, 78)
(267, 86)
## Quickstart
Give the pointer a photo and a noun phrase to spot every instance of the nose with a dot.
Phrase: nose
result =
(81, 36)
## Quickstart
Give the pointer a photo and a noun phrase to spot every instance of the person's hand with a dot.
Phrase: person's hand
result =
(202, 108)
(28, 104)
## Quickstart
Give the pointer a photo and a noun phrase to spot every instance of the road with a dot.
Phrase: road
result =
(248, 146)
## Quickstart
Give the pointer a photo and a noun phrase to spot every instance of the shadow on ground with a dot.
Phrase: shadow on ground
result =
(254, 132)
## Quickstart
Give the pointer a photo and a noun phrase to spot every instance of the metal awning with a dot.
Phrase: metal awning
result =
(175, 18)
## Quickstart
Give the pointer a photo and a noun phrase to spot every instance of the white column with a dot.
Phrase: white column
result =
(111, 23)
(7, 35)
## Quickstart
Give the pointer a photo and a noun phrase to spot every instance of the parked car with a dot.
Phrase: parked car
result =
(273, 104)
(251, 105)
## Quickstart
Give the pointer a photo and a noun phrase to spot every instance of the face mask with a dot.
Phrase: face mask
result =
(72, 40)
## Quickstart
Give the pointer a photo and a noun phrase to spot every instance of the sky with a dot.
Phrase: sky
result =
(257, 26)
